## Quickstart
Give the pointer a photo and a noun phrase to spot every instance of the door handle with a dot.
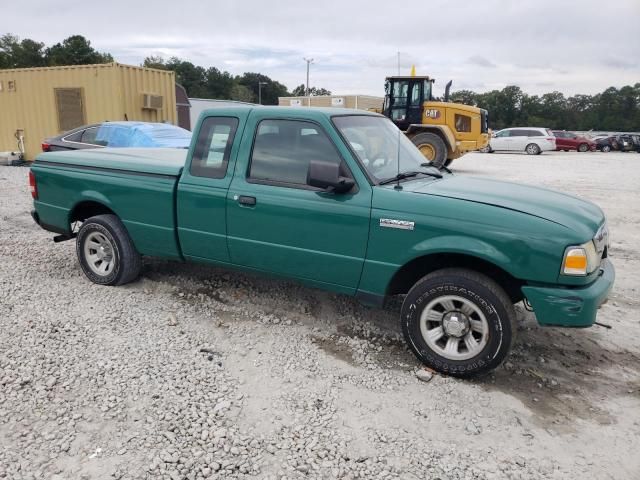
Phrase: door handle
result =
(246, 200)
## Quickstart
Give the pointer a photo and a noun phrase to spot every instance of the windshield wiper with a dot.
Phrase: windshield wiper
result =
(403, 175)
(429, 164)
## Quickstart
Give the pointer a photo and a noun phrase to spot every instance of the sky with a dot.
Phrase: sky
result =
(573, 46)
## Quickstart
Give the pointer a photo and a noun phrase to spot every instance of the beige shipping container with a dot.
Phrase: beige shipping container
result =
(44, 102)
(360, 102)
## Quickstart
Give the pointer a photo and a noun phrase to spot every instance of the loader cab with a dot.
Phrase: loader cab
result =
(404, 99)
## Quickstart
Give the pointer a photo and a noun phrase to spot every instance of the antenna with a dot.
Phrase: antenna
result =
(398, 186)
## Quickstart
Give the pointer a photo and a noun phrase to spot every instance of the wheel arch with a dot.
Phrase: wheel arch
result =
(88, 208)
(412, 271)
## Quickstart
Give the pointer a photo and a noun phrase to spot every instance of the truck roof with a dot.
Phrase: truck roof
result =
(288, 112)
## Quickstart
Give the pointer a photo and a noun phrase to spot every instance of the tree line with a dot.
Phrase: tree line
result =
(611, 110)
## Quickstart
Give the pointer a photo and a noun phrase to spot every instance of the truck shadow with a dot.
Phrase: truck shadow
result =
(558, 374)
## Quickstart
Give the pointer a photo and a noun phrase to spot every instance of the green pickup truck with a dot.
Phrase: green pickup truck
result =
(341, 200)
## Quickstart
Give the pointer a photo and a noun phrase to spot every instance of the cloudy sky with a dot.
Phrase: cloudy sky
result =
(574, 46)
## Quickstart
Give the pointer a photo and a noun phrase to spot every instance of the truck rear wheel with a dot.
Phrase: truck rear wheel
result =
(432, 147)
(105, 251)
(458, 322)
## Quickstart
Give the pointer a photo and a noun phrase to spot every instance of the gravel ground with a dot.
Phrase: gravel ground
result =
(195, 372)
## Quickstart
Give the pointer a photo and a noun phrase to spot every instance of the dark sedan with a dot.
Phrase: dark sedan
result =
(120, 134)
(606, 144)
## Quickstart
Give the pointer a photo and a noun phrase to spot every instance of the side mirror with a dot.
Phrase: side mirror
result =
(493, 135)
(326, 175)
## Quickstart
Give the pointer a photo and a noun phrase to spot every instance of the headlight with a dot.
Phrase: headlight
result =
(580, 260)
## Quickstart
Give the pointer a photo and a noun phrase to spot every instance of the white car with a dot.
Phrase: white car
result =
(532, 140)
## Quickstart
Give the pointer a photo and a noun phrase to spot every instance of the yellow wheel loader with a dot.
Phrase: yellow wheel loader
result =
(443, 131)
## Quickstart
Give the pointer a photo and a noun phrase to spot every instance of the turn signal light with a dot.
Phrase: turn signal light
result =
(580, 260)
(46, 147)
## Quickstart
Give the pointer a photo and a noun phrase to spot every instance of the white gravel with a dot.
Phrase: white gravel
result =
(195, 372)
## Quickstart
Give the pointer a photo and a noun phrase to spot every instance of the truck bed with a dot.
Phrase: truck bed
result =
(137, 184)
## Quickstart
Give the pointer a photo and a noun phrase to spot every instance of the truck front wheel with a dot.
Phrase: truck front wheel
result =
(105, 251)
(458, 322)
(432, 147)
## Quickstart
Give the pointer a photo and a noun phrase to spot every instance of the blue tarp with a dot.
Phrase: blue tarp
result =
(143, 134)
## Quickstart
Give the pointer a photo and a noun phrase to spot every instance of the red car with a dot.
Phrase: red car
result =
(570, 141)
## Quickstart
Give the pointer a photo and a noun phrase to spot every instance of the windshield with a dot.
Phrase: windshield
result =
(379, 144)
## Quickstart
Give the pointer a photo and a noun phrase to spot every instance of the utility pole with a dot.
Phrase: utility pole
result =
(309, 62)
(260, 84)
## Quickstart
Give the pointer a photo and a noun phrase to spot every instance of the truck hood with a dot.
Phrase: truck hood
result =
(581, 216)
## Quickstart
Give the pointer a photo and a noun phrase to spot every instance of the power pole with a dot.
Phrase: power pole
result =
(309, 62)
(260, 84)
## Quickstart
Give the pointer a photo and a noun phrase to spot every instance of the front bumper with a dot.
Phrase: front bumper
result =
(571, 307)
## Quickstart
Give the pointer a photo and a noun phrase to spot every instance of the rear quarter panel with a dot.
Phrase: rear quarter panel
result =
(144, 203)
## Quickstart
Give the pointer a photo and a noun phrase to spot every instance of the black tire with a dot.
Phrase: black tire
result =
(471, 287)
(116, 254)
(436, 143)
(532, 149)
(606, 148)
(486, 149)
(583, 147)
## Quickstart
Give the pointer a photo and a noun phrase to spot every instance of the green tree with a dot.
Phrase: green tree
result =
(190, 76)
(15, 53)
(270, 92)
(242, 93)
(466, 97)
(300, 91)
(218, 84)
(75, 50)
(154, 62)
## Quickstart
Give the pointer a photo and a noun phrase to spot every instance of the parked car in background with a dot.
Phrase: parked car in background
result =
(570, 141)
(532, 140)
(120, 134)
(606, 144)
(628, 143)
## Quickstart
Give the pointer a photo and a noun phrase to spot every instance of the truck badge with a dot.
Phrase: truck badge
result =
(401, 224)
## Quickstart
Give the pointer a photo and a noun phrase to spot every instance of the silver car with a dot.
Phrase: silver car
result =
(531, 140)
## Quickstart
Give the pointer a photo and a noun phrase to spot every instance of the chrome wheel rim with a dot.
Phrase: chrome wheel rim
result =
(454, 327)
(98, 252)
(531, 149)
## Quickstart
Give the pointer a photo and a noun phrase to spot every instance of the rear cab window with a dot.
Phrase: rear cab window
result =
(213, 147)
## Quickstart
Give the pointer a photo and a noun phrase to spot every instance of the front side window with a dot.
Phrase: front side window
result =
(283, 149)
(463, 123)
(415, 95)
(503, 133)
(383, 150)
(427, 90)
(400, 93)
(213, 148)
